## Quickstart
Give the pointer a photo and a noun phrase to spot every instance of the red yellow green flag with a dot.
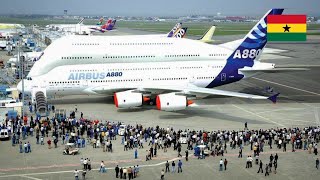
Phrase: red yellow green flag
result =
(287, 27)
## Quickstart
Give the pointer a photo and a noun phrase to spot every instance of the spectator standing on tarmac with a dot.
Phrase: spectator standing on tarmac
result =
(49, 144)
(180, 166)
(173, 166)
(29, 147)
(121, 173)
(221, 164)
(162, 174)
(84, 172)
(25, 148)
(187, 154)
(20, 146)
(117, 171)
(76, 174)
(267, 170)
(167, 166)
(260, 167)
(136, 154)
(225, 164)
(317, 163)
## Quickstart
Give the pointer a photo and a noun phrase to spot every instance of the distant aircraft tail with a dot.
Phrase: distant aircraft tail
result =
(81, 21)
(207, 36)
(100, 21)
(181, 33)
(174, 30)
(108, 26)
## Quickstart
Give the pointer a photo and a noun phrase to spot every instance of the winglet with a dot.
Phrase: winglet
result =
(273, 98)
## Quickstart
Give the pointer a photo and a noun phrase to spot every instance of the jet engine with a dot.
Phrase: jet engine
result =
(172, 102)
(129, 99)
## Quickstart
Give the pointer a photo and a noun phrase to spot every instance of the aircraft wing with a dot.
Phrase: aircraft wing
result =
(193, 90)
(187, 90)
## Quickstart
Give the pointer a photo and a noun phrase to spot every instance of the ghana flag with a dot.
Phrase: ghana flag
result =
(287, 27)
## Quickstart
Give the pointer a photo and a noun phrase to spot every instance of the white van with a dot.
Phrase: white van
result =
(4, 134)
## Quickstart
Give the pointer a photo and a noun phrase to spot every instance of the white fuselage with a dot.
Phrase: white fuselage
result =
(105, 78)
(76, 50)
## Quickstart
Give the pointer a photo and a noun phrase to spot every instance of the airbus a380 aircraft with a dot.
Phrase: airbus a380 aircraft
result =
(135, 69)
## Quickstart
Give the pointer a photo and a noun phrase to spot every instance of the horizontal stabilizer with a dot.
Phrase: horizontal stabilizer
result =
(254, 72)
(274, 97)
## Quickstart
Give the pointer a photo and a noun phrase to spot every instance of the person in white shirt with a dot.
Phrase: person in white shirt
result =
(76, 174)
(102, 167)
(221, 165)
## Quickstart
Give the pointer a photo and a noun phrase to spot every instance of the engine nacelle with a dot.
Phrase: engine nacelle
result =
(172, 102)
(128, 99)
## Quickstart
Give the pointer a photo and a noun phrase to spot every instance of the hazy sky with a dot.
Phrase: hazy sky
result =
(156, 7)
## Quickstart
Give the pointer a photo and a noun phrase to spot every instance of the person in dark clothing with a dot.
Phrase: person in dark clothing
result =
(275, 164)
(117, 171)
(240, 153)
(121, 173)
(317, 163)
(276, 157)
(271, 158)
(267, 170)
(260, 167)
(284, 146)
(167, 166)
(179, 151)
(187, 154)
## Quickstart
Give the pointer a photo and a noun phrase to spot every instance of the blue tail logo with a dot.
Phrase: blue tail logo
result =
(245, 54)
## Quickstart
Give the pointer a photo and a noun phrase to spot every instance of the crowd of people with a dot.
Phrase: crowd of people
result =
(82, 133)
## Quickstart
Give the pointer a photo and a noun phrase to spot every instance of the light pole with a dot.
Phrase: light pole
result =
(21, 60)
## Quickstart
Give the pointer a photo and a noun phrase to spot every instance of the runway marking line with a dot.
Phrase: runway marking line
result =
(28, 177)
(257, 115)
(287, 86)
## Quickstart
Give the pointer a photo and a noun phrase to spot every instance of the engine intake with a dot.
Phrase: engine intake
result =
(128, 99)
(172, 102)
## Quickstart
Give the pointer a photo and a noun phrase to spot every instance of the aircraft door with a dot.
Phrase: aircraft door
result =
(223, 77)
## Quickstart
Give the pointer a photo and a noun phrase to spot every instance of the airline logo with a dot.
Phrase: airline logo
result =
(89, 76)
(181, 33)
(175, 29)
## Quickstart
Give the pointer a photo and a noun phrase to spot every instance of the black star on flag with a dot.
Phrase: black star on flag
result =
(286, 28)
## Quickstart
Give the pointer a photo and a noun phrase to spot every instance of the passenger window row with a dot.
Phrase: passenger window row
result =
(139, 44)
(163, 79)
(115, 57)
(76, 58)
(119, 80)
(199, 67)
(217, 54)
(205, 77)
(126, 69)
(183, 55)
(63, 82)
(86, 44)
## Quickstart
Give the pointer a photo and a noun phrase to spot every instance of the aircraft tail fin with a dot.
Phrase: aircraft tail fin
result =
(100, 21)
(181, 33)
(207, 36)
(174, 30)
(253, 43)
